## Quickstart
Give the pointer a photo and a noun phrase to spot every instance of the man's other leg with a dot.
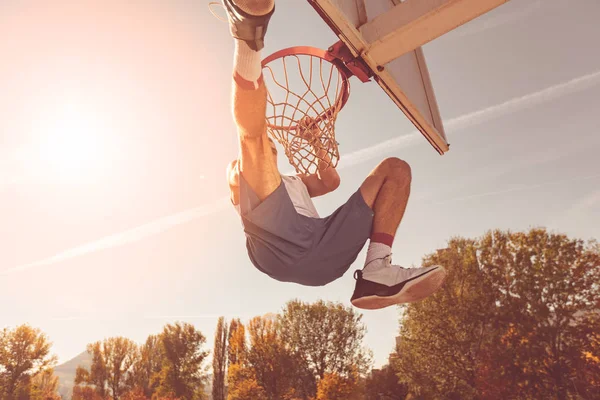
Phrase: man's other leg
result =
(380, 284)
(386, 190)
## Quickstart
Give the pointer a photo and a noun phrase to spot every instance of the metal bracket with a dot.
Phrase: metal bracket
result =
(353, 66)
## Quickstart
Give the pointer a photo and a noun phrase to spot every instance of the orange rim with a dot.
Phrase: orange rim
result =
(344, 93)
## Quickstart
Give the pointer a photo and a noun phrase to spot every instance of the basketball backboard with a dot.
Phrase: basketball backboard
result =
(387, 36)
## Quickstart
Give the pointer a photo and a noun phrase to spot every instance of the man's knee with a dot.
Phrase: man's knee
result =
(397, 168)
(259, 165)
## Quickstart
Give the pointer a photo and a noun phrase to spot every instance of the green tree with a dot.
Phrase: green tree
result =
(111, 372)
(182, 374)
(24, 352)
(219, 362)
(325, 337)
(513, 319)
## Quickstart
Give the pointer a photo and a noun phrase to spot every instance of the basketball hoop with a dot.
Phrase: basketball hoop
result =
(307, 88)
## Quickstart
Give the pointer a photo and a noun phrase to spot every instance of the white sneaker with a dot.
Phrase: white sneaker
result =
(383, 284)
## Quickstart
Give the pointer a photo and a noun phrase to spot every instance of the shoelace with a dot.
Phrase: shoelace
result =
(387, 264)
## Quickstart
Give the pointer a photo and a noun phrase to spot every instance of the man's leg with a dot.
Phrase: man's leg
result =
(257, 164)
(380, 284)
(386, 191)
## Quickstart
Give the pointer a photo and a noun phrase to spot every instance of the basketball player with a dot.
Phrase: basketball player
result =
(286, 238)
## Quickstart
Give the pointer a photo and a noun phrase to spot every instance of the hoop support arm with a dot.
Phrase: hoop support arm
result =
(354, 66)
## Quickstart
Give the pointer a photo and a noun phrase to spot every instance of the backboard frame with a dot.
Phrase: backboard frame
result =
(353, 40)
(397, 34)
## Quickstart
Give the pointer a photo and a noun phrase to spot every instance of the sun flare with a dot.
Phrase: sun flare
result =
(71, 143)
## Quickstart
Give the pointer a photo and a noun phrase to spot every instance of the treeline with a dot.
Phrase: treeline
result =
(308, 351)
(168, 366)
(517, 318)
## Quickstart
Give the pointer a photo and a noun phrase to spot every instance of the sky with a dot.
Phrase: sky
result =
(115, 132)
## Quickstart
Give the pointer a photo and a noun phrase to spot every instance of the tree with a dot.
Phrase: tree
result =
(336, 387)
(326, 337)
(136, 394)
(85, 393)
(384, 384)
(241, 380)
(24, 352)
(182, 373)
(243, 384)
(442, 336)
(236, 342)
(588, 366)
(146, 370)
(289, 354)
(275, 368)
(513, 319)
(219, 361)
(111, 372)
(44, 386)
(94, 379)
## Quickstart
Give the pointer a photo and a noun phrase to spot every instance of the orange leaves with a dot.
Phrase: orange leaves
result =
(591, 357)
(336, 387)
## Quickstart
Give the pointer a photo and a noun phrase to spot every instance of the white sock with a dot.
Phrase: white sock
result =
(376, 251)
(247, 62)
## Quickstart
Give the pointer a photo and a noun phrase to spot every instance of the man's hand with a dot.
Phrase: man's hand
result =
(326, 179)
(308, 129)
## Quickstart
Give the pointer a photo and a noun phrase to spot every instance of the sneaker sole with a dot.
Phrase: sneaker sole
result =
(416, 290)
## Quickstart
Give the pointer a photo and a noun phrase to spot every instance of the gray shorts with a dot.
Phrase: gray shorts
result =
(291, 247)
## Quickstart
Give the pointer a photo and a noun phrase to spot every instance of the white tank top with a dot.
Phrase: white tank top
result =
(298, 193)
(299, 196)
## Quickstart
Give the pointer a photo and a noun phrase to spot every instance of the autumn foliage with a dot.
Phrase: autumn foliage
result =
(167, 367)
(26, 365)
(306, 350)
(518, 317)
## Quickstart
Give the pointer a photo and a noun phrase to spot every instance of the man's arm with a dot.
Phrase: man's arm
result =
(325, 180)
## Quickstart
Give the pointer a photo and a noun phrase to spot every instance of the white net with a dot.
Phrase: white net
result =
(304, 97)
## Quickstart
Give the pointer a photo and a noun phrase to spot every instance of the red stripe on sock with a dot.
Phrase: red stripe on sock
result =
(383, 238)
(246, 84)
